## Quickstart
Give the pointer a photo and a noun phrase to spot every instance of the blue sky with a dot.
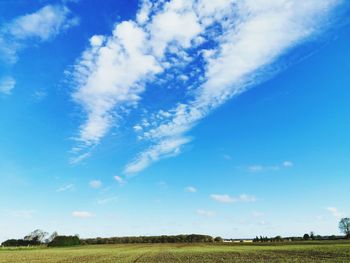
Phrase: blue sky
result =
(226, 118)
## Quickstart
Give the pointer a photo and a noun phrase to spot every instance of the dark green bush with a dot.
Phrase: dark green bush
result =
(150, 239)
(64, 241)
(218, 239)
(20, 243)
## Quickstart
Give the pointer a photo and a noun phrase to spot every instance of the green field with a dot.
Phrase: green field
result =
(326, 251)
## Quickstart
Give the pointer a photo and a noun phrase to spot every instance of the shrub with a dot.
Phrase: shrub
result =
(306, 237)
(20, 243)
(218, 239)
(64, 241)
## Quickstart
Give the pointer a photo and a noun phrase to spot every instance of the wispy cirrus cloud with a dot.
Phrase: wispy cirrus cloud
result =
(165, 148)
(7, 84)
(82, 214)
(191, 189)
(260, 168)
(95, 184)
(119, 180)
(64, 188)
(25, 214)
(224, 198)
(257, 214)
(256, 168)
(288, 164)
(335, 211)
(205, 213)
(212, 50)
(107, 200)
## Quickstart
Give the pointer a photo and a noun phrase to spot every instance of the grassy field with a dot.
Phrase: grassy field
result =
(326, 251)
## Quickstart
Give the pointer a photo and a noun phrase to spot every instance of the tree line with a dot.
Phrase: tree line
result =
(39, 237)
(344, 227)
(153, 239)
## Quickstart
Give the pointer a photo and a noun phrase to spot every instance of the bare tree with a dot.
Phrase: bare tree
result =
(344, 226)
(36, 236)
(51, 237)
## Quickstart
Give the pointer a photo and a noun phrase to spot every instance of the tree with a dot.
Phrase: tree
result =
(312, 235)
(306, 237)
(344, 226)
(218, 239)
(64, 241)
(36, 236)
(51, 237)
(278, 239)
(150, 239)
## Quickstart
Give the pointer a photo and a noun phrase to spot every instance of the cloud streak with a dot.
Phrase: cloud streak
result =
(7, 84)
(261, 168)
(119, 180)
(205, 213)
(224, 198)
(107, 200)
(335, 212)
(213, 51)
(96, 184)
(190, 189)
(25, 214)
(68, 187)
(82, 214)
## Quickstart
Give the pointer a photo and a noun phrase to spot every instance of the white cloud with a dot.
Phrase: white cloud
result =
(205, 213)
(109, 76)
(39, 95)
(248, 37)
(95, 184)
(168, 26)
(254, 37)
(191, 189)
(288, 164)
(227, 157)
(119, 179)
(68, 187)
(7, 84)
(224, 198)
(82, 214)
(166, 148)
(79, 158)
(162, 185)
(257, 214)
(246, 198)
(261, 168)
(42, 25)
(28, 30)
(137, 128)
(26, 214)
(97, 41)
(107, 200)
(143, 14)
(255, 168)
(335, 212)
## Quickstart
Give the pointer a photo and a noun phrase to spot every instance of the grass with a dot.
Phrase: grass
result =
(325, 251)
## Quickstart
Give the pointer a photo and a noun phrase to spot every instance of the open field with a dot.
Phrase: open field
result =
(326, 251)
